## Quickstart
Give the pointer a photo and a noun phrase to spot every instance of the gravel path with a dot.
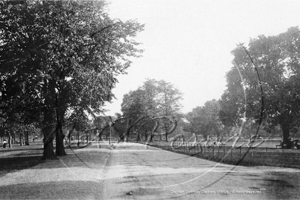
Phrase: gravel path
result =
(139, 173)
(132, 171)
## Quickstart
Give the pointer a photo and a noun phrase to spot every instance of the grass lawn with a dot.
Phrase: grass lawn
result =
(264, 155)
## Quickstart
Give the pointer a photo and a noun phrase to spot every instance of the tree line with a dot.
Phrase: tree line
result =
(60, 59)
(262, 93)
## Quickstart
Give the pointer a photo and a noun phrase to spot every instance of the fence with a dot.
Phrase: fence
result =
(242, 155)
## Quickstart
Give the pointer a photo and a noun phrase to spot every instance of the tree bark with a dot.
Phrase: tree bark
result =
(78, 142)
(60, 112)
(9, 139)
(286, 140)
(49, 118)
(26, 138)
(70, 133)
(138, 136)
(14, 139)
(166, 129)
(60, 148)
(127, 130)
(48, 133)
(21, 143)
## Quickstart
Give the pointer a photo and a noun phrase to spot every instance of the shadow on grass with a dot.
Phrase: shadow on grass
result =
(21, 148)
(32, 159)
(52, 190)
(10, 164)
(81, 145)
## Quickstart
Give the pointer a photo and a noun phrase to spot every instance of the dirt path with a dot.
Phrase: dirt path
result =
(131, 171)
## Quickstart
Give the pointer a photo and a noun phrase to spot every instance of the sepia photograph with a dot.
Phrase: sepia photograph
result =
(150, 99)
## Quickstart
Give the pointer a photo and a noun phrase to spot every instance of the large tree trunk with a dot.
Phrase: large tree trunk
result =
(286, 140)
(60, 112)
(60, 148)
(49, 118)
(48, 133)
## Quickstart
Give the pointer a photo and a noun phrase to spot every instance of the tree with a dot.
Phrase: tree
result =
(277, 61)
(133, 105)
(63, 55)
(205, 120)
(153, 99)
(169, 105)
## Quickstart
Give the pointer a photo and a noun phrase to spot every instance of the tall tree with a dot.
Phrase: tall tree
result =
(66, 54)
(168, 99)
(277, 62)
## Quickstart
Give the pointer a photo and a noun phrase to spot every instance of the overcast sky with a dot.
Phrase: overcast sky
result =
(188, 42)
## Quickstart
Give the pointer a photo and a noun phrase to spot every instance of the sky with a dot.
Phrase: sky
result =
(188, 42)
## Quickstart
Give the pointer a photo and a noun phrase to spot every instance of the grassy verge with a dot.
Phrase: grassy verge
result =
(241, 156)
(24, 157)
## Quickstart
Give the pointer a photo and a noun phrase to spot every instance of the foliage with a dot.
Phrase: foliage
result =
(205, 120)
(59, 56)
(277, 60)
(153, 99)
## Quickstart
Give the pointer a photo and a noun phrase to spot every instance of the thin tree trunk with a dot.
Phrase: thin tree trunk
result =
(78, 139)
(127, 130)
(138, 137)
(21, 140)
(26, 138)
(70, 133)
(13, 139)
(9, 139)
(167, 127)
